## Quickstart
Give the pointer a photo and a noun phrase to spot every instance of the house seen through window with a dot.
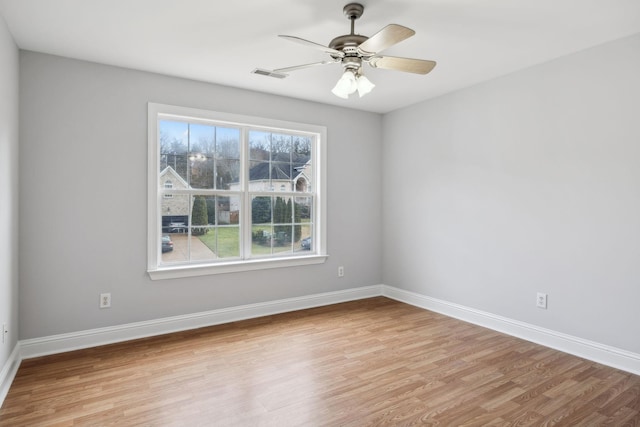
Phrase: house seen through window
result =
(232, 193)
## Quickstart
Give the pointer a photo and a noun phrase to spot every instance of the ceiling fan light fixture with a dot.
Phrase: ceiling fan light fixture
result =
(350, 82)
(364, 86)
(346, 85)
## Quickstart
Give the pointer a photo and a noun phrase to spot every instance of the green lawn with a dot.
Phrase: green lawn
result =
(224, 241)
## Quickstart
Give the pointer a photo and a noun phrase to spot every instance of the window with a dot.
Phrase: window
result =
(168, 185)
(232, 193)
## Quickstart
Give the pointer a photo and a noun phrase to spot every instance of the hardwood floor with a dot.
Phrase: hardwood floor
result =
(369, 362)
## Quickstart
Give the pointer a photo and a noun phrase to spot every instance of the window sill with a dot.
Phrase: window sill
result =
(177, 272)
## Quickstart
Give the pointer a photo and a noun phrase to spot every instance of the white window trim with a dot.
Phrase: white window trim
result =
(154, 215)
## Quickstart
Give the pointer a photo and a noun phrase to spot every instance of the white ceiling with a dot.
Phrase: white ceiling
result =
(223, 41)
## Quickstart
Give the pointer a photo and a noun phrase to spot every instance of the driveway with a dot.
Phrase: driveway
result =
(199, 251)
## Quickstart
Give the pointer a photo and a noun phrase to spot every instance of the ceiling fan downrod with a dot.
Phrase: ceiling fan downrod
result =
(353, 11)
(349, 42)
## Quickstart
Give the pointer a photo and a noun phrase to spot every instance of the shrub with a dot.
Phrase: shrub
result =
(199, 216)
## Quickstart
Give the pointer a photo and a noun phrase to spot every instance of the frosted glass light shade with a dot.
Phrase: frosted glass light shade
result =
(364, 86)
(346, 85)
(349, 83)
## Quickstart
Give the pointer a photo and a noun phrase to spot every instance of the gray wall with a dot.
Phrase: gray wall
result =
(8, 190)
(83, 157)
(530, 182)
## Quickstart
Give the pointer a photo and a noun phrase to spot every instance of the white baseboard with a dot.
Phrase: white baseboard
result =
(94, 337)
(8, 372)
(596, 352)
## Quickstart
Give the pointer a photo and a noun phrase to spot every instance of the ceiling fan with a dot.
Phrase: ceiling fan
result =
(352, 50)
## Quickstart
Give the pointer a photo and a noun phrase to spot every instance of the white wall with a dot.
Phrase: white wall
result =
(83, 232)
(530, 182)
(8, 191)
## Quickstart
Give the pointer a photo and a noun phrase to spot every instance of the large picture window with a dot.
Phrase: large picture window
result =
(232, 193)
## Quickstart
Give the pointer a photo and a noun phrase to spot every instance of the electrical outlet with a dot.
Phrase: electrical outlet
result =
(341, 271)
(541, 300)
(5, 332)
(105, 300)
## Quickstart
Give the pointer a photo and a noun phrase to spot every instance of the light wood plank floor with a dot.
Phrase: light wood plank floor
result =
(370, 362)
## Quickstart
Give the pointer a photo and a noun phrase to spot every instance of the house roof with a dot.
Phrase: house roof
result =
(174, 175)
(281, 167)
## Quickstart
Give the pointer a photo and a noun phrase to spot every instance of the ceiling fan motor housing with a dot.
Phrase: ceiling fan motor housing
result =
(348, 43)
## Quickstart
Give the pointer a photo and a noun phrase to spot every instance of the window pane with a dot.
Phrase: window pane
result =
(174, 147)
(262, 225)
(261, 210)
(228, 242)
(198, 248)
(228, 142)
(224, 238)
(281, 176)
(302, 145)
(227, 174)
(280, 147)
(175, 213)
(227, 157)
(234, 209)
(302, 209)
(283, 218)
(301, 163)
(282, 239)
(303, 228)
(282, 210)
(200, 227)
(261, 239)
(200, 156)
(200, 170)
(259, 145)
(174, 248)
(259, 176)
(302, 181)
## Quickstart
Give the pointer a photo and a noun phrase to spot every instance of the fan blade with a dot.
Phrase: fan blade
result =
(385, 38)
(417, 66)
(300, 67)
(313, 44)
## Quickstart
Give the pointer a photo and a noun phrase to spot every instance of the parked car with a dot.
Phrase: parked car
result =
(306, 243)
(167, 244)
(177, 227)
